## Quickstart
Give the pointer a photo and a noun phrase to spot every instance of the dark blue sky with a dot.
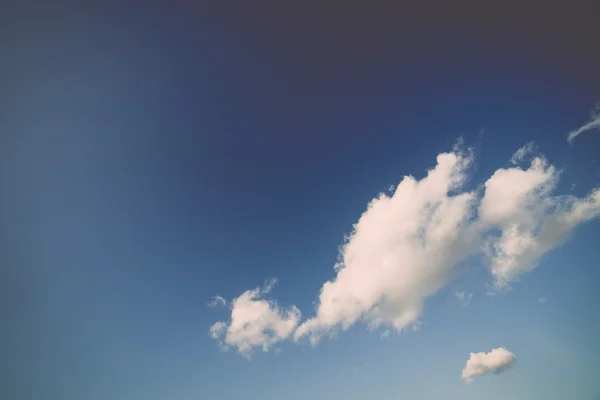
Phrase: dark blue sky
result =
(154, 156)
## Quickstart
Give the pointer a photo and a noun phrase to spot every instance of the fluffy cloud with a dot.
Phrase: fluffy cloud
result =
(530, 220)
(408, 245)
(402, 249)
(496, 361)
(414, 241)
(255, 322)
(594, 123)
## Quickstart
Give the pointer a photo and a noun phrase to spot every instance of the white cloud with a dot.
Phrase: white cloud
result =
(410, 243)
(217, 301)
(402, 249)
(464, 298)
(496, 361)
(255, 322)
(530, 220)
(407, 245)
(522, 152)
(542, 300)
(592, 124)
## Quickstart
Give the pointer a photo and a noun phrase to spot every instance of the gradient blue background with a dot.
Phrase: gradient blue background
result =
(154, 157)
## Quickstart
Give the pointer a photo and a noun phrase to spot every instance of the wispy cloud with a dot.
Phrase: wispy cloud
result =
(464, 298)
(542, 300)
(217, 301)
(594, 123)
(496, 361)
(520, 154)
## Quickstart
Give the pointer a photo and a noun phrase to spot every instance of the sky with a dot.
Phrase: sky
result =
(302, 201)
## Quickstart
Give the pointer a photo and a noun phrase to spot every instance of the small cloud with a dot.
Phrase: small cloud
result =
(542, 300)
(269, 283)
(386, 334)
(255, 322)
(464, 298)
(496, 361)
(522, 152)
(217, 301)
(216, 331)
(593, 123)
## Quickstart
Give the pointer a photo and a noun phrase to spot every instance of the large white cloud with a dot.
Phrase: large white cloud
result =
(496, 361)
(255, 322)
(408, 245)
(402, 249)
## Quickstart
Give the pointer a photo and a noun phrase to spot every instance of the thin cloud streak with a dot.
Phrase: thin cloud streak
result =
(592, 124)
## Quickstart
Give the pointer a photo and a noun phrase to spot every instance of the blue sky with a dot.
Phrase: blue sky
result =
(154, 160)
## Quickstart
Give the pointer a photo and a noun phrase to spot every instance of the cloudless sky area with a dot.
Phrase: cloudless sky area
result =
(156, 155)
